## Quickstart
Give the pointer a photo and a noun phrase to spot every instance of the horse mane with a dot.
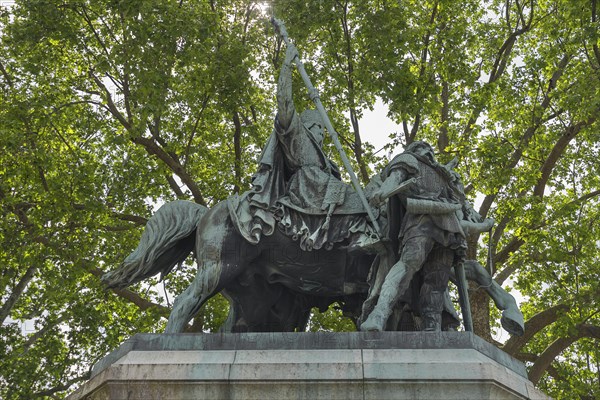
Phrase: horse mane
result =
(167, 240)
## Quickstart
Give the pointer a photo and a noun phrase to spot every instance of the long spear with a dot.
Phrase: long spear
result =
(314, 95)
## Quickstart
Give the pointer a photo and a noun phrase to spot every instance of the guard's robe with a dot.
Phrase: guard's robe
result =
(434, 183)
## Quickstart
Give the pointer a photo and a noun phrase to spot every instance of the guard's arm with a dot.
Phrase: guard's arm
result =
(285, 102)
(389, 186)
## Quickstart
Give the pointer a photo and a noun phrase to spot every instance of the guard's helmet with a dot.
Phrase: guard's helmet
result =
(421, 147)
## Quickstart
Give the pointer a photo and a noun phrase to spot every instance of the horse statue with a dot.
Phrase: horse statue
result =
(271, 285)
(300, 238)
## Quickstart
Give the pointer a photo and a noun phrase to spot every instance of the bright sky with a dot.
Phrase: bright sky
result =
(376, 127)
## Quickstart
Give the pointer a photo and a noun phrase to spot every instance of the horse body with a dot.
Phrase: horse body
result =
(271, 286)
(275, 284)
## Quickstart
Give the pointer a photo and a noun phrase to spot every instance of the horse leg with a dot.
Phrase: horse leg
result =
(250, 301)
(189, 302)
(219, 257)
(384, 263)
(233, 317)
(512, 319)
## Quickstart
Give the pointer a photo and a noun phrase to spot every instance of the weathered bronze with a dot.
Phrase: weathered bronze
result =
(302, 238)
(427, 231)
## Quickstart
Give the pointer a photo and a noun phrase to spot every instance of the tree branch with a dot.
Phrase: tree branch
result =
(595, 44)
(16, 293)
(538, 119)
(506, 48)
(6, 75)
(237, 149)
(505, 273)
(129, 295)
(90, 24)
(175, 187)
(443, 139)
(37, 335)
(132, 218)
(556, 153)
(532, 358)
(510, 248)
(558, 346)
(423, 69)
(500, 63)
(112, 108)
(174, 165)
(133, 297)
(533, 326)
(194, 130)
(515, 243)
(64, 386)
(547, 317)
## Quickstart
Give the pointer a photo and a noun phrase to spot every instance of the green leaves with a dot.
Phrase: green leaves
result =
(103, 104)
(110, 108)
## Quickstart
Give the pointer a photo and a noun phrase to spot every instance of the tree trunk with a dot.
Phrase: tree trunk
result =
(480, 301)
(480, 308)
(358, 148)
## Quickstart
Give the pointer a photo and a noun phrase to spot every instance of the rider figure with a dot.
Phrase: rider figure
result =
(296, 184)
(300, 138)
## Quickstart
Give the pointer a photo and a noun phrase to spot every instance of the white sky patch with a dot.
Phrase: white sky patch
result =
(376, 127)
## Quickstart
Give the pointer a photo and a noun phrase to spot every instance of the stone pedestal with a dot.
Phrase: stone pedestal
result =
(358, 365)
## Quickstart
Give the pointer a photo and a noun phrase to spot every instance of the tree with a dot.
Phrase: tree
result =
(109, 108)
(508, 89)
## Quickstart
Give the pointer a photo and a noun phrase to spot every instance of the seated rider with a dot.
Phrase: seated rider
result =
(296, 185)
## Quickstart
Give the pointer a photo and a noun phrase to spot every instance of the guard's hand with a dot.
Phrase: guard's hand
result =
(375, 199)
(291, 53)
(489, 223)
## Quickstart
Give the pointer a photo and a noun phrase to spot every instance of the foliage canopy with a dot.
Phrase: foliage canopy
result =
(109, 107)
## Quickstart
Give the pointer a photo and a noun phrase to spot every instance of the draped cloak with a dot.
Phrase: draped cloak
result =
(298, 189)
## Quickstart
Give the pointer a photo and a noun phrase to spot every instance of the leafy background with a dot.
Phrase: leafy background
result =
(110, 107)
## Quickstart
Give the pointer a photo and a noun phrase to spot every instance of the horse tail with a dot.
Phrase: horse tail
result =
(167, 240)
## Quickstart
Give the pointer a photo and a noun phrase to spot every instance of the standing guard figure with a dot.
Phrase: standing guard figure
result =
(430, 236)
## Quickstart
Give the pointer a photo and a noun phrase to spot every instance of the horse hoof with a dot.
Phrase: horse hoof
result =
(366, 327)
